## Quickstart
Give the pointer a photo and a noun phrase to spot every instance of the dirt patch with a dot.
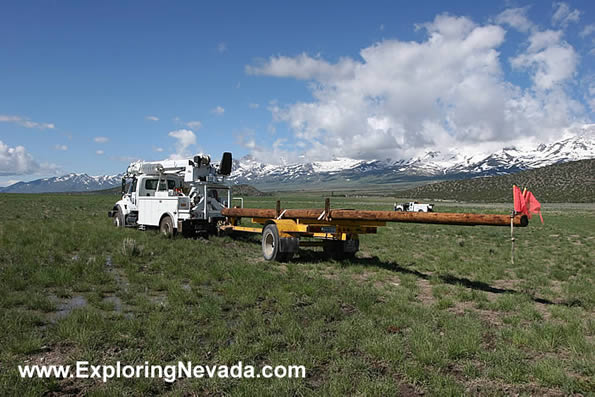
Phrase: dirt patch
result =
(51, 355)
(425, 292)
(490, 317)
(487, 387)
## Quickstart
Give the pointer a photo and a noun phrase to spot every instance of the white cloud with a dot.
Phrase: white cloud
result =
(564, 15)
(551, 60)
(218, 111)
(158, 149)
(448, 90)
(221, 47)
(25, 122)
(587, 30)
(254, 106)
(99, 152)
(101, 139)
(302, 67)
(194, 125)
(16, 161)
(515, 18)
(8, 182)
(152, 118)
(61, 147)
(185, 139)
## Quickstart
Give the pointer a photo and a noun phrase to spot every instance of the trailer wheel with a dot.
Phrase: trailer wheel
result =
(271, 244)
(118, 218)
(166, 226)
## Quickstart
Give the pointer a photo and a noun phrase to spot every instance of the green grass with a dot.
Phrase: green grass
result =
(429, 308)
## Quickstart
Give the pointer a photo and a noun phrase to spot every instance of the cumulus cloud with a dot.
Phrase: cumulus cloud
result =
(152, 118)
(563, 15)
(16, 161)
(515, 18)
(61, 147)
(276, 153)
(551, 60)
(185, 139)
(587, 30)
(101, 139)
(158, 149)
(254, 106)
(25, 122)
(446, 91)
(195, 125)
(99, 152)
(218, 111)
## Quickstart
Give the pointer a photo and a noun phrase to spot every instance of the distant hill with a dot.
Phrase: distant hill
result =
(247, 190)
(567, 182)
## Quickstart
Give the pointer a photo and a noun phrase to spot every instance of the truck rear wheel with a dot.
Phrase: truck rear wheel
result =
(166, 226)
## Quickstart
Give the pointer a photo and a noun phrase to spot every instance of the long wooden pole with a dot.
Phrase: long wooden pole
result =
(445, 218)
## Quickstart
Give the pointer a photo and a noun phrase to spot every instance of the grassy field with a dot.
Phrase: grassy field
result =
(426, 309)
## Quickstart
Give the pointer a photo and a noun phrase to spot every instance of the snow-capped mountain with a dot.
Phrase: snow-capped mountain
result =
(340, 172)
(430, 165)
(66, 183)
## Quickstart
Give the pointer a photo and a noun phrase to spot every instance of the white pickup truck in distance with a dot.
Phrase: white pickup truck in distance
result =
(414, 206)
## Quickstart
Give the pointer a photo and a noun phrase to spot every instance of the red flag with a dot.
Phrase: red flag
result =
(533, 206)
(526, 203)
(519, 201)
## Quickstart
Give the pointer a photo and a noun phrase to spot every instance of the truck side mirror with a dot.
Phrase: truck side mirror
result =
(123, 185)
(225, 164)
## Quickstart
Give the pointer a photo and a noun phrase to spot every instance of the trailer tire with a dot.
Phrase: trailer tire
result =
(118, 218)
(271, 244)
(166, 226)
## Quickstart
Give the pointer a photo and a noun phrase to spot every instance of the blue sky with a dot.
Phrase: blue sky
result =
(90, 86)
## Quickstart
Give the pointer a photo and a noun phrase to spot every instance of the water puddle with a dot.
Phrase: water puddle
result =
(66, 307)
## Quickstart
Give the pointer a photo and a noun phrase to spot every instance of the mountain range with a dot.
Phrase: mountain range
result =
(349, 173)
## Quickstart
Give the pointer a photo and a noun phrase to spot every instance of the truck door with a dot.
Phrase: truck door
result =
(132, 192)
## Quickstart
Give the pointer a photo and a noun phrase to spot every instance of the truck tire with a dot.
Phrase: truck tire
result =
(118, 218)
(271, 244)
(166, 226)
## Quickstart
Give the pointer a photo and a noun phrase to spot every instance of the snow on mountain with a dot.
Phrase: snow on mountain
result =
(66, 183)
(578, 144)
(431, 164)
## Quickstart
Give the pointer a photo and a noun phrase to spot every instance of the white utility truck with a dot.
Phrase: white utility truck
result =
(177, 196)
(414, 206)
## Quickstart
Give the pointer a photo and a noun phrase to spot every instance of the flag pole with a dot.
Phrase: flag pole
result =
(512, 213)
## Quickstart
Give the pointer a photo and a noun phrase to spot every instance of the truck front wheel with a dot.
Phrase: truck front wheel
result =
(118, 218)
(166, 226)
